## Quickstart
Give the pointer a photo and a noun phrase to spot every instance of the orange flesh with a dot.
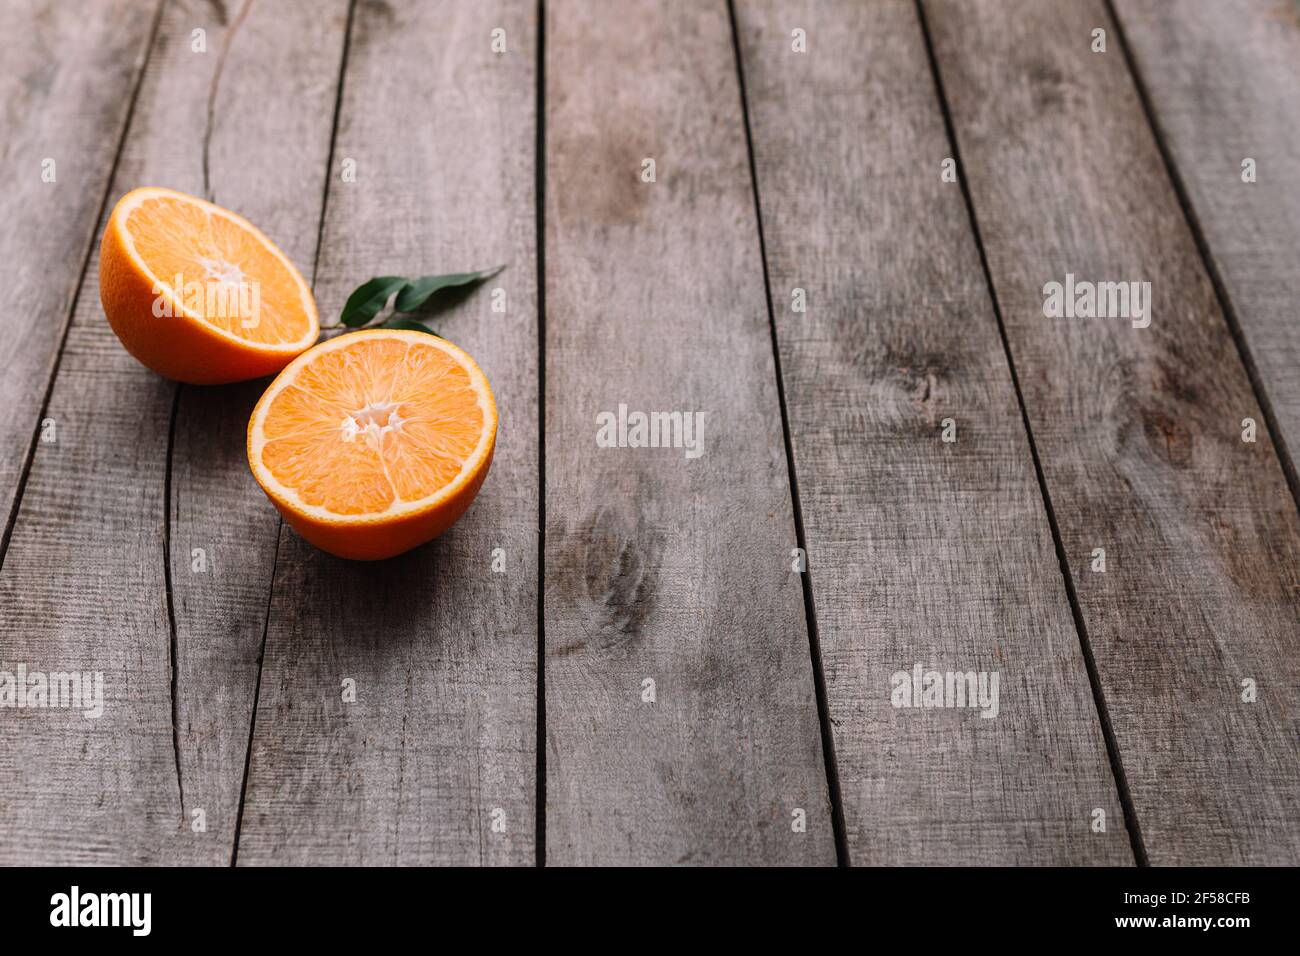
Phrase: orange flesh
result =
(368, 425)
(175, 238)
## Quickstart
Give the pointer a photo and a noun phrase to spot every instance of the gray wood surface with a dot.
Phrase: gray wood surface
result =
(1138, 430)
(920, 551)
(661, 567)
(1223, 78)
(65, 91)
(84, 586)
(440, 743)
(266, 157)
(138, 545)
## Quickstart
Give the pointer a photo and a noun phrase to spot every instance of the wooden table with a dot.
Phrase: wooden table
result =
(640, 655)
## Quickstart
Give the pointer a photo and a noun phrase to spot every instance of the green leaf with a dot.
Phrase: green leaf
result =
(418, 291)
(369, 299)
(406, 324)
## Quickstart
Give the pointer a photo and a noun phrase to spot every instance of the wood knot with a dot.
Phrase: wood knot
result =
(1168, 437)
(620, 570)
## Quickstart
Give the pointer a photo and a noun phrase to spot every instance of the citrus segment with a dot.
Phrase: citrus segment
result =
(375, 441)
(198, 293)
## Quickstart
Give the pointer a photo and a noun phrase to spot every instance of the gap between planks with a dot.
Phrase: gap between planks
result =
(539, 200)
(26, 471)
(809, 603)
(1284, 453)
(279, 531)
(1094, 679)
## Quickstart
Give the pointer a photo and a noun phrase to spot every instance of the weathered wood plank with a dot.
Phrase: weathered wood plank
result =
(1138, 430)
(84, 584)
(65, 91)
(661, 566)
(921, 551)
(269, 161)
(1224, 81)
(443, 651)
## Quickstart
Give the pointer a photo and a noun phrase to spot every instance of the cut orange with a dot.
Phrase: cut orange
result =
(197, 293)
(374, 442)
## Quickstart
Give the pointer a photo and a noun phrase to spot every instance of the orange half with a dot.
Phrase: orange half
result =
(198, 293)
(374, 442)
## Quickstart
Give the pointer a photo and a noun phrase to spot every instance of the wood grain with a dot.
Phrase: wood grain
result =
(440, 742)
(659, 566)
(920, 551)
(1222, 78)
(84, 586)
(270, 162)
(65, 91)
(1138, 431)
